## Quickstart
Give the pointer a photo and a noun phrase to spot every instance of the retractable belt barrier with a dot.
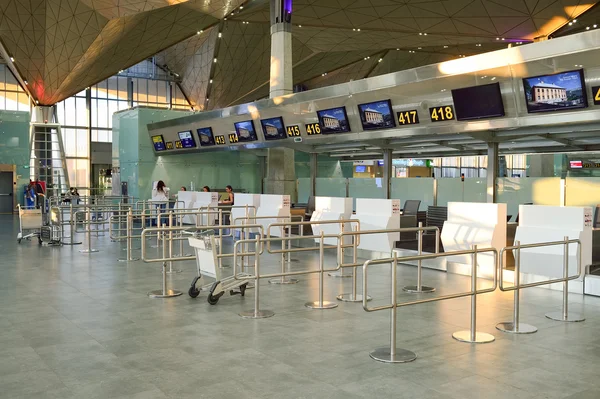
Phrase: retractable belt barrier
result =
(516, 327)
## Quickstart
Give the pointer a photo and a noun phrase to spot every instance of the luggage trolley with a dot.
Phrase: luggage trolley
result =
(30, 224)
(206, 249)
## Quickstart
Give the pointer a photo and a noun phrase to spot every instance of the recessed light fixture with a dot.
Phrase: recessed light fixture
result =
(299, 26)
(502, 39)
(358, 29)
(424, 34)
(12, 59)
(497, 38)
(226, 17)
(445, 46)
(210, 81)
(27, 83)
(587, 28)
(494, 78)
(198, 32)
(215, 60)
(574, 21)
(595, 26)
(220, 35)
(324, 74)
(397, 49)
(419, 48)
(381, 59)
(570, 23)
(420, 33)
(241, 7)
(478, 45)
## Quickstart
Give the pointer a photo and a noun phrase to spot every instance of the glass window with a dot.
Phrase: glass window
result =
(102, 110)
(11, 101)
(162, 92)
(82, 143)
(81, 112)
(70, 112)
(152, 91)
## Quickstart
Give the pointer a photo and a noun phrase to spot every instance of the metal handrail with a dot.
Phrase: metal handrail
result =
(516, 327)
(392, 354)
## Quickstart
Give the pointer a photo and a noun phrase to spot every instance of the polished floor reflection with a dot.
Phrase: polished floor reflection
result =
(74, 325)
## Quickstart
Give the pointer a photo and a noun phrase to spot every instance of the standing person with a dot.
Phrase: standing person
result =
(39, 194)
(74, 195)
(230, 197)
(30, 196)
(160, 194)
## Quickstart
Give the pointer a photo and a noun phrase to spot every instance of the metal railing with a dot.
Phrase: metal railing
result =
(515, 326)
(392, 354)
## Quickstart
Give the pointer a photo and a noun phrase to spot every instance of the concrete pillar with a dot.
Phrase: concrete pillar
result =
(492, 172)
(281, 171)
(387, 174)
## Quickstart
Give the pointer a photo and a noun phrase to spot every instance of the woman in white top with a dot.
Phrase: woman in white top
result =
(161, 193)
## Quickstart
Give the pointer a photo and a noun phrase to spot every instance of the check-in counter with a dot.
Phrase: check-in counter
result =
(192, 200)
(276, 206)
(378, 214)
(473, 223)
(241, 200)
(205, 200)
(332, 208)
(539, 224)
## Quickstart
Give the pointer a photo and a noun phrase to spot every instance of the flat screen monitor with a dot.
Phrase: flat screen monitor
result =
(245, 131)
(377, 115)
(334, 120)
(575, 164)
(159, 143)
(556, 92)
(478, 102)
(205, 134)
(273, 128)
(361, 169)
(187, 140)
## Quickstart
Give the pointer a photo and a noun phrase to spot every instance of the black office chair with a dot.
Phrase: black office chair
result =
(411, 207)
(310, 208)
(597, 217)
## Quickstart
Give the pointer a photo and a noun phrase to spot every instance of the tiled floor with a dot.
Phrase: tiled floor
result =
(74, 325)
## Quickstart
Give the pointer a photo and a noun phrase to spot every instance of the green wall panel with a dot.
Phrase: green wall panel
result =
(14, 146)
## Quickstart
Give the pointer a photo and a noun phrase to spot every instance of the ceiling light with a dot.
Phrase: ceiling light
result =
(12, 59)
(358, 29)
(419, 48)
(497, 38)
(323, 74)
(397, 49)
(25, 82)
(299, 26)
(443, 90)
(353, 29)
(241, 7)
(210, 81)
(502, 39)
(215, 60)
(424, 34)
(570, 23)
(207, 100)
(37, 102)
(574, 21)
(420, 33)
(478, 45)
(587, 28)
(494, 78)
(226, 17)
(198, 32)
(595, 26)
(121, 71)
(445, 46)
(381, 59)
(220, 35)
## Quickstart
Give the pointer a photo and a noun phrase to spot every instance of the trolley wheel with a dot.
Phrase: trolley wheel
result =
(193, 292)
(243, 289)
(213, 299)
(18, 240)
(40, 240)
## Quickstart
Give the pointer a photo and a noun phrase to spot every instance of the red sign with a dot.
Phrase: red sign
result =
(576, 164)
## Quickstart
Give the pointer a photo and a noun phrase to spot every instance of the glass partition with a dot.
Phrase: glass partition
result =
(303, 190)
(413, 189)
(365, 188)
(518, 191)
(583, 191)
(454, 190)
(330, 187)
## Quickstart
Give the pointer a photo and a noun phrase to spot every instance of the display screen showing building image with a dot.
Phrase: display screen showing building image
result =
(273, 128)
(245, 131)
(377, 115)
(333, 120)
(206, 136)
(565, 90)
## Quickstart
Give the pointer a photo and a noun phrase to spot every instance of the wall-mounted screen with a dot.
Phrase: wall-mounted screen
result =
(205, 134)
(560, 91)
(187, 140)
(334, 120)
(361, 169)
(245, 131)
(478, 102)
(576, 164)
(377, 115)
(159, 143)
(273, 128)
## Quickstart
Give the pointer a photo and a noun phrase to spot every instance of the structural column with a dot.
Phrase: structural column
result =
(387, 174)
(281, 171)
(313, 174)
(492, 172)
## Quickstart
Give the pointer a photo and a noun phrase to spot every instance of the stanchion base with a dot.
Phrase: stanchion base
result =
(261, 314)
(173, 271)
(160, 294)
(283, 281)
(351, 298)
(129, 260)
(338, 274)
(88, 251)
(401, 356)
(133, 249)
(294, 260)
(509, 327)
(325, 305)
(480, 337)
(571, 317)
(72, 243)
(415, 290)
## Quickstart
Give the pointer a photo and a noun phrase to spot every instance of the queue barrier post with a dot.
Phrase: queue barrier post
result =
(72, 227)
(515, 326)
(164, 292)
(170, 238)
(420, 288)
(564, 315)
(392, 354)
(129, 239)
(256, 313)
(321, 304)
(473, 336)
(354, 296)
(340, 273)
(285, 260)
(89, 250)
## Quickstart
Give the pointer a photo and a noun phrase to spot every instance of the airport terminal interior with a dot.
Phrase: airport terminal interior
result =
(299, 199)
